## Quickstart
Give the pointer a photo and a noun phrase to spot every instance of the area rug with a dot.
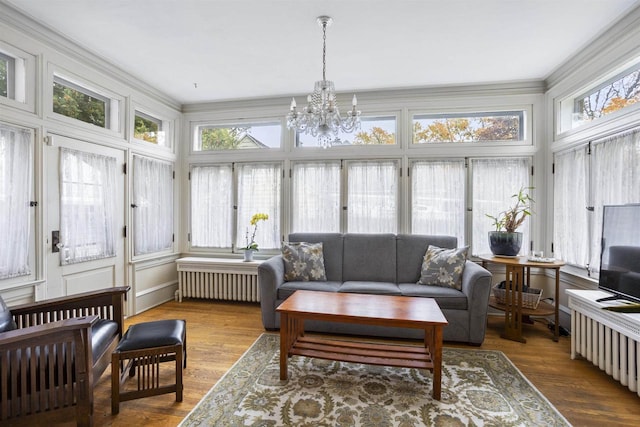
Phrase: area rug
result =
(479, 388)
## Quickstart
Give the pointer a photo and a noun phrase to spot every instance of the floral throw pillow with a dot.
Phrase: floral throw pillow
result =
(443, 267)
(303, 262)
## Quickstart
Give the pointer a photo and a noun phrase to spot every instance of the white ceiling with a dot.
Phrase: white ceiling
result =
(237, 49)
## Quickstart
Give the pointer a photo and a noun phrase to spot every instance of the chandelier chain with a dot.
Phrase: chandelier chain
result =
(324, 50)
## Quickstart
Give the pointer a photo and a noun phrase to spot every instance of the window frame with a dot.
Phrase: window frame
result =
(24, 78)
(196, 126)
(524, 114)
(372, 116)
(117, 105)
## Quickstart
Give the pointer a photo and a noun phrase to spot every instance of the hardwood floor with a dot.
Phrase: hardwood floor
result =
(218, 333)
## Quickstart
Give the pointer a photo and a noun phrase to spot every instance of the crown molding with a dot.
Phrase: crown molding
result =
(403, 95)
(615, 44)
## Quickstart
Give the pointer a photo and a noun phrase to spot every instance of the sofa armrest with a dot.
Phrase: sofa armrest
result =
(476, 284)
(270, 277)
(33, 381)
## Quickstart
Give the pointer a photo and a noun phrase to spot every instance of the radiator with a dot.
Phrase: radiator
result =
(609, 340)
(218, 278)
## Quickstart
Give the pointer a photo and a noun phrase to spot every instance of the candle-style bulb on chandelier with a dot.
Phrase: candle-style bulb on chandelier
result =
(321, 116)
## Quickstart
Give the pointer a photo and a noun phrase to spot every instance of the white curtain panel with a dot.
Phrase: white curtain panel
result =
(87, 206)
(438, 198)
(16, 158)
(615, 180)
(212, 206)
(372, 197)
(494, 182)
(153, 198)
(259, 191)
(315, 203)
(571, 227)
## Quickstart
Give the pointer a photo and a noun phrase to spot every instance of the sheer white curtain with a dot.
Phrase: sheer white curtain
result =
(153, 200)
(16, 160)
(494, 182)
(315, 203)
(570, 200)
(372, 197)
(615, 180)
(87, 205)
(212, 206)
(259, 191)
(438, 198)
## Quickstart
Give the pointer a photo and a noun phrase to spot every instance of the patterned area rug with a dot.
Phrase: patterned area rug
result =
(479, 387)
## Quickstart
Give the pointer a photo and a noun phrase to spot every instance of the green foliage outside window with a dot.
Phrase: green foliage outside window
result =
(145, 129)
(4, 78)
(221, 138)
(78, 105)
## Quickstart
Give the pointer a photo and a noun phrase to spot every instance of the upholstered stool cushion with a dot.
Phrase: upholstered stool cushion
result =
(160, 333)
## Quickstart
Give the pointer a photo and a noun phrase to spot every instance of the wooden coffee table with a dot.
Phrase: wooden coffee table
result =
(382, 310)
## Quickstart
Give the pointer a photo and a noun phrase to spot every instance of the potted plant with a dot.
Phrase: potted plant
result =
(505, 240)
(251, 245)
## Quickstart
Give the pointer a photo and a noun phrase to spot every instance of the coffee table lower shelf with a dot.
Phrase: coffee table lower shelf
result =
(362, 352)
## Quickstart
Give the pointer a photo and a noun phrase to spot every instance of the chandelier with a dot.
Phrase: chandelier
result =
(321, 117)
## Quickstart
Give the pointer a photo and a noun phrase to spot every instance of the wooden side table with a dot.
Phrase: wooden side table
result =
(516, 268)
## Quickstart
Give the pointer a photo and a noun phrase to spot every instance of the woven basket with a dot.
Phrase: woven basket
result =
(530, 298)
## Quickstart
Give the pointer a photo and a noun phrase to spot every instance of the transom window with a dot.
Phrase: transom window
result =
(468, 127)
(148, 128)
(240, 136)
(80, 103)
(613, 95)
(373, 131)
(7, 76)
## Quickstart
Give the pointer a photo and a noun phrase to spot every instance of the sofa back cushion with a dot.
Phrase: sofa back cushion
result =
(369, 257)
(331, 248)
(410, 253)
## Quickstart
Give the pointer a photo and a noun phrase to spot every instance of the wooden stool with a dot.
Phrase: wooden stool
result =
(145, 346)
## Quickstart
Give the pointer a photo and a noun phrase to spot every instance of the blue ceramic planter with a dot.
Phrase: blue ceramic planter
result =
(504, 243)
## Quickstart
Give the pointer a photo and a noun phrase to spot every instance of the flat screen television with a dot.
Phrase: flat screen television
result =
(620, 252)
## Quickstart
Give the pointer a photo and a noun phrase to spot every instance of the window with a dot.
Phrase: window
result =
(372, 196)
(80, 103)
(7, 76)
(259, 191)
(438, 192)
(16, 160)
(237, 136)
(87, 204)
(468, 127)
(148, 128)
(153, 205)
(316, 197)
(582, 187)
(609, 97)
(212, 206)
(373, 131)
(216, 222)
(494, 182)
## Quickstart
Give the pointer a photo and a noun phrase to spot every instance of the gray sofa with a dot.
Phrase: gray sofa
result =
(381, 264)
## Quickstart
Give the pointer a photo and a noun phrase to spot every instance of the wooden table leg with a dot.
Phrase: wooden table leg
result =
(284, 345)
(435, 348)
(513, 302)
(556, 332)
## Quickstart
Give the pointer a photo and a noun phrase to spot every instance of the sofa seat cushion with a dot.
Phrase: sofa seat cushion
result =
(447, 298)
(288, 288)
(102, 334)
(366, 287)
